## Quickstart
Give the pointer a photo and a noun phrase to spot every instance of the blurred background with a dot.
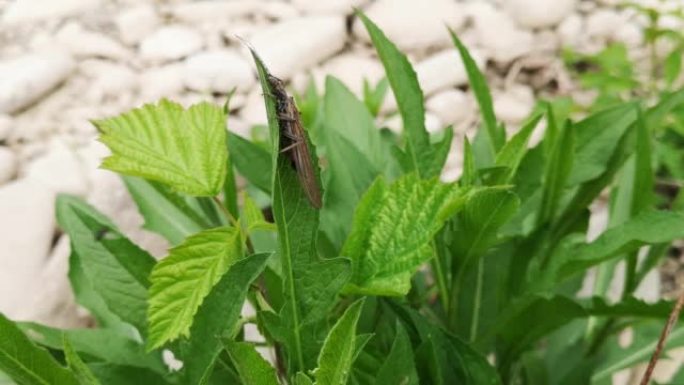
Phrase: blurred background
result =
(65, 62)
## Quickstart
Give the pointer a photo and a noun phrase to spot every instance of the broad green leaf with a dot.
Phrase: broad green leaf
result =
(165, 212)
(251, 160)
(404, 82)
(77, 366)
(558, 170)
(477, 228)
(116, 268)
(184, 149)
(514, 150)
(656, 114)
(672, 65)
(100, 344)
(217, 317)
(26, 363)
(297, 222)
(252, 367)
(302, 379)
(355, 154)
(392, 230)
(182, 280)
(110, 374)
(596, 140)
(336, 358)
(399, 367)
(649, 227)
(494, 134)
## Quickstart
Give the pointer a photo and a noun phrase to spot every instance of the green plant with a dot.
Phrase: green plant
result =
(343, 295)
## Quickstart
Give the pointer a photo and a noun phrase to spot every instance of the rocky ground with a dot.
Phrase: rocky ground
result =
(64, 62)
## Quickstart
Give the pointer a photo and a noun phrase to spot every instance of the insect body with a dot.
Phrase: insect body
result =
(293, 141)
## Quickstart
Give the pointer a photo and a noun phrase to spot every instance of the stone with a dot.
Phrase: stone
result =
(5, 127)
(169, 43)
(328, 6)
(31, 11)
(413, 24)
(450, 106)
(203, 11)
(570, 31)
(292, 46)
(254, 111)
(161, 82)
(59, 170)
(83, 44)
(108, 80)
(218, 71)
(50, 301)
(602, 24)
(513, 105)
(497, 33)
(444, 69)
(539, 13)
(432, 123)
(8, 165)
(135, 23)
(350, 68)
(27, 223)
(24, 79)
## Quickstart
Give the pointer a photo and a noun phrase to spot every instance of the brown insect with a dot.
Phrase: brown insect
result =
(293, 140)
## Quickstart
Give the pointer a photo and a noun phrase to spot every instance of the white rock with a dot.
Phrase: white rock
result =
(630, 34)
(137, 22)
(159, 82)
(292, 45)
(451, 106)
(497, 33)
(513, 105)
(217, 71)
(444, 69)
(414, 24)
(24, 79)
(328, 6)
(204, 11)
(5, 127)
(108, 80)
(539, 13)
(350, 68)
(254, 111)
(8, 164)
(50, 299)
(26, 11)
(603, 23)
(82, 43)
(570, 30)
(26, 231)
(432, 123)
(59, 170)
(170, 43)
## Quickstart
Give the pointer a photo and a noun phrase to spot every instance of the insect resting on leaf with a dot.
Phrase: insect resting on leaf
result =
(293, 140)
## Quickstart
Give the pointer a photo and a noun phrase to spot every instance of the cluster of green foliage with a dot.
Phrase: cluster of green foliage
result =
(398, 279)
(615, 76)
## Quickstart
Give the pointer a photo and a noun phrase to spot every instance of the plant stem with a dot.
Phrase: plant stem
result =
(438, 270)
(234, 222)
(674, 316)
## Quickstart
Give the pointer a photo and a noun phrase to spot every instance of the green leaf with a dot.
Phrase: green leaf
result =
(469, 170)
(252, 367)
(336, 358)
(218, 316)
(126, 375)
(672, 66)
(399, 367)
(27, 364)
(117, 266)
(184, 149)
(251, 160)
(514, 150)
(355, 154)
(77, 366)
(494, 134)
(392, 230)
(656, 114)
(101, 344)
(303, 379)
(404, 82)
(556, 174)
(650, 227)
(166, 213)
(182, 280)
(297, 222)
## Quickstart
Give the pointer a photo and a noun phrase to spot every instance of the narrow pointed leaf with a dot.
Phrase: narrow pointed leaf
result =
(26, 363)
(78, 367)
(184, 149)
(252, 367)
